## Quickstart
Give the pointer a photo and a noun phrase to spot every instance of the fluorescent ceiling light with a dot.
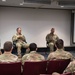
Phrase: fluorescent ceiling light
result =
(22, 3)
(62, 6)
(4, 0)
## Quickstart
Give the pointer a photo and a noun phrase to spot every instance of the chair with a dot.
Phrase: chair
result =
(10, 68)
(57, 65)
(34, 68)
(73, 73)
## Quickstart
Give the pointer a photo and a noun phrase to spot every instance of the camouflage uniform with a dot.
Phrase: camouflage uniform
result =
(51, 39)
(19, 41)
(32, 56)
(8, 57)
(60, 54)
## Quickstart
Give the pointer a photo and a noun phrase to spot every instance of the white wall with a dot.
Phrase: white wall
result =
(74, 29)
(35, 24)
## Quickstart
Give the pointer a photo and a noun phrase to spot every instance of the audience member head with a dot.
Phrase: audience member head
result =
(18, 30)
(52, 30)
(55, 73)
(59, 44)
(8, 46)
(33, 47)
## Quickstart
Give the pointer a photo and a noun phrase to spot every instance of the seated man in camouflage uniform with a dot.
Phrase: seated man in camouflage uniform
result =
(7, 56)
(51, 38)
(33, 55)
(20, 41)
(60, 53)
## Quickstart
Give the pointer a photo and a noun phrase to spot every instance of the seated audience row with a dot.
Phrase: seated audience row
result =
(7, 56)
(60, 53)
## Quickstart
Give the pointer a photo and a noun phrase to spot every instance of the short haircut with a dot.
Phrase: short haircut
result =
(18, 28)
(32, 47)
(7, 46)
(52, 28)
(59, 43)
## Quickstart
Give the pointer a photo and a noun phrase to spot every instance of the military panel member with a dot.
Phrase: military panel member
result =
(60, 53)
(33, 55)
(20, 41)
(7, 56)
(51, 38)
